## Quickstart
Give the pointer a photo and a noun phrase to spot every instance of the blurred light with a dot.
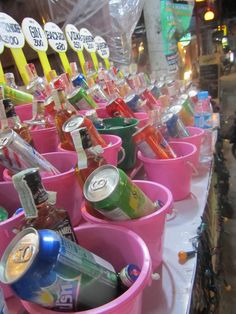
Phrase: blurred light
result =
(187, 75)
(199, 0)
(209, 15)
(141, 48)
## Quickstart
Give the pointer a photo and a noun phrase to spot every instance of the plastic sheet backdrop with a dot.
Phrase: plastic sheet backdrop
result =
(114, 20)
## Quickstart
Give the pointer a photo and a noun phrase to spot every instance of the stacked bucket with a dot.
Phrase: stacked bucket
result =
(139, 241)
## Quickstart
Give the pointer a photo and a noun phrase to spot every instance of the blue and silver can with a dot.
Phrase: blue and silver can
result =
(133, 102)
(174, 125)
(45, 268)
(80, 80)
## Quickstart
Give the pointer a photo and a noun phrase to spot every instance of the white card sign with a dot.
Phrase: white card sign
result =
(102, 47)
(73, 37)
(55, 37)
(88, 40)
(10, 32)
(34, 34)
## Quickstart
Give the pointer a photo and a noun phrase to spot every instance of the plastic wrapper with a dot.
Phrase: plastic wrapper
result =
(114, 20)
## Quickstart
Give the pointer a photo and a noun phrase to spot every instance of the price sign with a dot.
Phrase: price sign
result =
(88, 40)
(55, 37)
(102, 47)
(34, 34)
(10, 31)
(12, 37)
(73, 37)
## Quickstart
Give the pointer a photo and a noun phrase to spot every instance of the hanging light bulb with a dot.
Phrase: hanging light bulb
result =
(209, 15)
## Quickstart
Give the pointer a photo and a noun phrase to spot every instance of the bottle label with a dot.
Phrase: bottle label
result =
(65, 230)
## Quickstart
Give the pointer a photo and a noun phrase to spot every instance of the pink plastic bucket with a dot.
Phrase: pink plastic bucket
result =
(45, 140)
(150, 228)
(195, 138)
(120, 247)
(176, 173)
(142, 117)
(24, 111)
(111, 152)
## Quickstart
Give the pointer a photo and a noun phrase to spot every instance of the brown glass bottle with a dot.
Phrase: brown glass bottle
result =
(64, 112)
(39, 212)
(14, 122)
(93, 155)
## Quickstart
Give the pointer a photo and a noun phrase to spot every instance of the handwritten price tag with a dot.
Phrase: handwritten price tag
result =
(55, 37)
(10, 32)
(34, 34)
(102, 47)
(73, 37)
(88, 40)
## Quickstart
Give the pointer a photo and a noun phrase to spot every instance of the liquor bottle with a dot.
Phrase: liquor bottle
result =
(63, 112)
(13, 122)
(10, 80)
(89, 156)
(40, 213)
(40, 120)
(127, 277)
(37, 86)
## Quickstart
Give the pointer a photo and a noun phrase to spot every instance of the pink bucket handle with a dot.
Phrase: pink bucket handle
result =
(195, 171)
(123, 155)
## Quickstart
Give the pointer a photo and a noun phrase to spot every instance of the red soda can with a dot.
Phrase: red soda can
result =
(152, 101)
(118, 108)
(80, 121)
(152, 144)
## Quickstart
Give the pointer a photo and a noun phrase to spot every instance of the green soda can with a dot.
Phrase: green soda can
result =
(111, 192)
(80, 100)
(17, 96)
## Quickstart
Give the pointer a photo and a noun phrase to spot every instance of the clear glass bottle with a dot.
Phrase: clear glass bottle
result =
(40, 120)
(13, 122)
(38, 86)
(63, 112)
(39, 212)
(10, 80)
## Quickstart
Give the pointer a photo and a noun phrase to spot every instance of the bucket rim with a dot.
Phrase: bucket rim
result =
(164, 161)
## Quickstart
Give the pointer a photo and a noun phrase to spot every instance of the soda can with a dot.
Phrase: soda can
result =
(80, 80)
(98, 94)
(118, 108)
(174, 125)
(45, 268)
(16, 154)
(133, 102)
(152, 101)
(111, 192)
(154, 90)
(152, 144)
(80, 100)
(3, 215)
(79, 121)
(17, 96)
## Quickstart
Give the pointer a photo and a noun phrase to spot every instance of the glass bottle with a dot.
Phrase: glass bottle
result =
(40, 213)
(10, 80)
(13, 122)
(37, 86)
(63, 112)
(39, 120)
(89, 156)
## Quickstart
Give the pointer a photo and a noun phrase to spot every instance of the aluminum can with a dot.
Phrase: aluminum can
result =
(16, 154)
(3, 215)
(184, 110)
(154, 90)
(80, 80)
(174, 125)
(79, 99)
(80, 121)
(151, 100)
(111, 192)
(45, 268)
(133, 102)
(118, 108)
(17, 96)
(152, 144)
